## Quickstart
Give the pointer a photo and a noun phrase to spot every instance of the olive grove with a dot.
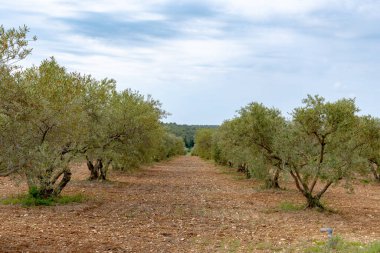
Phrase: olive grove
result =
(49, 116)
(322, 144)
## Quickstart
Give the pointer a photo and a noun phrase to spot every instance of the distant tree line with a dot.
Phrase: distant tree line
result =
(187, 132)
(50, 116)
(322, 144)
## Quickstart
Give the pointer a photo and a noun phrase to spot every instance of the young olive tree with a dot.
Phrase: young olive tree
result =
(228, 148)
(203, 143)
(128, 133)
(41, 119)
(97, 102)
(224, 144)
(170, 145)
(319, 146)
(370, 139)
(259, 127)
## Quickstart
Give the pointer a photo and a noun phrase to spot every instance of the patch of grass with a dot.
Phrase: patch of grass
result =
(365, 181)
(30, 200)
(267, 246)
(338, 245)
(290, 207)
(231, 245)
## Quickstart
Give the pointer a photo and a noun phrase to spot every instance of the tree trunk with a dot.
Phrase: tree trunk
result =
(65, 179)
(243, 168)
(276, 178)
(47, 188)
(98, 167)
(104, 170)
(93, 172)
(314, 202)
(99, 170)
(44, 193)
(375, 171)
(272, 182)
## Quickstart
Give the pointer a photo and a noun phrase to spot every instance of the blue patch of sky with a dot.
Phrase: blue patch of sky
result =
(109, 26)
(119, 27)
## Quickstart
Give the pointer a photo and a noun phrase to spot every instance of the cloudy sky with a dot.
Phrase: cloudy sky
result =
(206, 59)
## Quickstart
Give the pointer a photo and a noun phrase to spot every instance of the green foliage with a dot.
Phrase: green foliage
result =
(49, 116)
(14, 44)
(33, 198)
(323, 143)
(203, 143)
(369, 139)
(126, 131)
(41, 124)
(319, 145)
(247, 142)
(187, 132)
(290, 207)
(170, 145)
(338, 245)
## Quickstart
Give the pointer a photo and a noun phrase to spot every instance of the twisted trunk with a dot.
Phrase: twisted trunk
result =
(40, 187)
(98, 171)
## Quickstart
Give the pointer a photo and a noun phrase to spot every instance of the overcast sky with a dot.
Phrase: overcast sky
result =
(206, 59)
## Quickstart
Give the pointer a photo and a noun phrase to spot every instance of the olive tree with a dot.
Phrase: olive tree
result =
(127, 134)
(41, 121)
(259, 127)
(319, 147)
(96, 104)
(228, 148)
(203, 143)
(170, 145)
(369, 138)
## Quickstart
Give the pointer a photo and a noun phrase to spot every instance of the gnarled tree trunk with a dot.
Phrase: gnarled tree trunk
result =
(93, 172)
(98, 171)
(47, 187)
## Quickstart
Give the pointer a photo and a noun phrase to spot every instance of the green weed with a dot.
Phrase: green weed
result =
(290, 207)
(33, 199)
(338, 245)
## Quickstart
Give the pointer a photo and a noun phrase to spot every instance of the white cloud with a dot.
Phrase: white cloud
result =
(237, 53)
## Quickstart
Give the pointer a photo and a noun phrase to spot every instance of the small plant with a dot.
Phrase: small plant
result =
(365, 181)
(338, 245)
(290, 207)
(231, 245)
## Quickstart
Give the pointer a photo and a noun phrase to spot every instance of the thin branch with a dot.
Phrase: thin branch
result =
(319, 195)
(296, 181)
(9, 171)
(321, 157)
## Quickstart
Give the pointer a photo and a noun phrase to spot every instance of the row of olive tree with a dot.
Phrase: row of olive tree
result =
(49, 116)
(323, 143)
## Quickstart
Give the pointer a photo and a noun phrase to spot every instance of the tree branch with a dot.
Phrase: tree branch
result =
(319, 195)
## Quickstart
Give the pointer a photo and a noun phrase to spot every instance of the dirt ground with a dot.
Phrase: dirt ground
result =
(183, 205)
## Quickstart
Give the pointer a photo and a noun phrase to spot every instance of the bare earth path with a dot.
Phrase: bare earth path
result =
(184, 205)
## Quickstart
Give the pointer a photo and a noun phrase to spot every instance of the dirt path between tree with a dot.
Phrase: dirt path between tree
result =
(183, 205)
